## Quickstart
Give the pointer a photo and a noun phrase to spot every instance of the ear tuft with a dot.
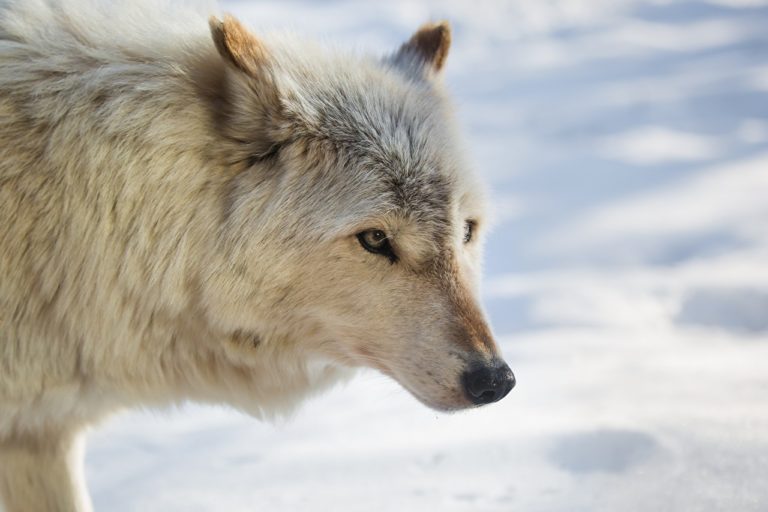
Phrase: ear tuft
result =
(237, 45)
(430, 44)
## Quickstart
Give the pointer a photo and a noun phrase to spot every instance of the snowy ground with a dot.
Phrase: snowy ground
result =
(626, 143)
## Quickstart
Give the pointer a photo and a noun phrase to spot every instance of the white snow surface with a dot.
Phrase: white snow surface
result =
(626, 146)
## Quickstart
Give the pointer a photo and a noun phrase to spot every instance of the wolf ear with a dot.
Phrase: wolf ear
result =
(237, 45)
(426, 50)
(252, 108)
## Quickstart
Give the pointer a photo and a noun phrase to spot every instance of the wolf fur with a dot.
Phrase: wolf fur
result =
(180, 205)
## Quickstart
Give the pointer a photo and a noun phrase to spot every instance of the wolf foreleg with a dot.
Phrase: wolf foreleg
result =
(43, 473)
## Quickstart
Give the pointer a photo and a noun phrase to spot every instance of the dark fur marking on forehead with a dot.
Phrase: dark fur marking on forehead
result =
(388, 137)
(424, 198)
(367, 116)
(419, 190)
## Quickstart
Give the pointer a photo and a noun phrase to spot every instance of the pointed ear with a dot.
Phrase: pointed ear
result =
(251, 109)
(427, 49)
(237, 45)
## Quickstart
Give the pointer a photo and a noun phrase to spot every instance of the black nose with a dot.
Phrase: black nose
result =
(485, 384)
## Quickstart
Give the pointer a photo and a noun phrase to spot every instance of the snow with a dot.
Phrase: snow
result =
(657, 145)
(626, 145)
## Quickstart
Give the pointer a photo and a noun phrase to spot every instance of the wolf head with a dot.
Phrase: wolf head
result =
(353, 231)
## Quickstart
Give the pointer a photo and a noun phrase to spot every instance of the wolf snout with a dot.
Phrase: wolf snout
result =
(488, 383)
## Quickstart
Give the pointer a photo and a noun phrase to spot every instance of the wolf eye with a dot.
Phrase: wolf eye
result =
(376, 241)
(469, 230)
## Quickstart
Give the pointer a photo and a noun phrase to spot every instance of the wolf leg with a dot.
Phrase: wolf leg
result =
(43, 473)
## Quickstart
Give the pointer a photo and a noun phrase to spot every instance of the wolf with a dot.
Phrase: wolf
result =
(193, 212)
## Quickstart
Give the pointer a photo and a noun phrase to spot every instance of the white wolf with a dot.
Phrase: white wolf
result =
(192, 212)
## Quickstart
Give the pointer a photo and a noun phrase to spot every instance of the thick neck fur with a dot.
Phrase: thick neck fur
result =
(128, 139)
